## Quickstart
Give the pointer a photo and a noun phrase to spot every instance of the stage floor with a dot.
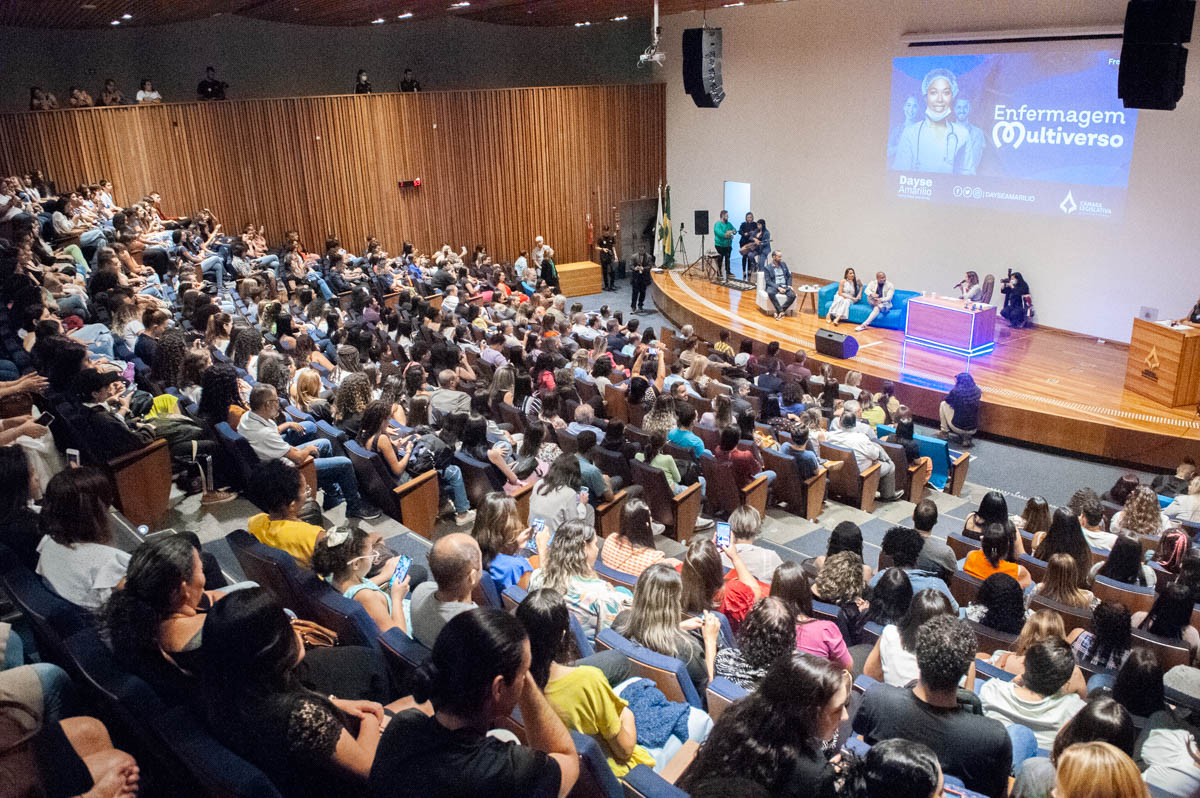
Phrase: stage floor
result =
(1045, 387)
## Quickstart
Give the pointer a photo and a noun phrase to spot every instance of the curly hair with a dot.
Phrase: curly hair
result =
(767, 632)
(945, 648)
(330, 561)
(1142, 515)
(841, 578)
(168, 362)
(273, 371)
(352, 396)
(1004, 603)
(247, 344)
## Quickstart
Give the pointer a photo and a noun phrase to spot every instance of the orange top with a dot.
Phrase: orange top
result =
(977, 565)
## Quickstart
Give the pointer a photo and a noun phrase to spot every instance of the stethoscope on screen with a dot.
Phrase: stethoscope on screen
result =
(951, 136)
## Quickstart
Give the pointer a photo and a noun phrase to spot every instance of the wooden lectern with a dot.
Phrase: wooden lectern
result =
(1164, 363)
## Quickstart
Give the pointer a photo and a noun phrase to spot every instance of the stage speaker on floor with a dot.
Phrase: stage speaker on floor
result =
(836, 344)
(700, 227)
(702, 66)
(1153, 58)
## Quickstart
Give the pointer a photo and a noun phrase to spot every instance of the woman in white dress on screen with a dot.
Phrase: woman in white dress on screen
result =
(849, 292)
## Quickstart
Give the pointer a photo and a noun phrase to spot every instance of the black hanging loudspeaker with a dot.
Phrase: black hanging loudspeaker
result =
(1153, 58)
(702, 66)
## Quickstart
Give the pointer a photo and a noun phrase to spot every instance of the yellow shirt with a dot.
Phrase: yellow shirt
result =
(295, 537)
(723, 348)
(875, 416)
(586, 703)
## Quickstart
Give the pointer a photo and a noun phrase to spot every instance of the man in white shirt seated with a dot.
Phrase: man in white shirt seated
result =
(456, 564)
(879, 295)
(335, 475)
(1091, 519)
(744, 525)
(1036, 699)
(583, 327)
(866, 453)
(585, 419)
(450, 303)
(854, 407)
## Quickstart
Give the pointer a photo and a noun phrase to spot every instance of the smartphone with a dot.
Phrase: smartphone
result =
(583, 495)
(652, 351)
(723, 538)
(536, 525)
(402, 566)
(73, 458)
(45, 419)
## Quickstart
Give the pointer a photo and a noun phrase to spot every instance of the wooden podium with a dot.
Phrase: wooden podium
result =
(1164, 363)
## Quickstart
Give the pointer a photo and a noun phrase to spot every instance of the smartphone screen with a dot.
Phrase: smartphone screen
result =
(45, 419)
(73, 457)
(402, 566)
(722, 535)
(536, 525)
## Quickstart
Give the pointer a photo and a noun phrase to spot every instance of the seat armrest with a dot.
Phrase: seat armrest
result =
(755, 495)
(957, 476)
(418, 500)
(687, 510)
(522, 497)
(815, 488)
(868, 485)
(608, 515)
(142, 482)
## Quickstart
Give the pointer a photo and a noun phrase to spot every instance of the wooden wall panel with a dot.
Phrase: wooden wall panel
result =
(497, 167)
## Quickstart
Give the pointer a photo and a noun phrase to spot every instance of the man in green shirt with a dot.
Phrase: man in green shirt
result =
(723, 233)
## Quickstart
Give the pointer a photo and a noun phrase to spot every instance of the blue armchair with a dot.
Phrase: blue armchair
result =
(894, 319)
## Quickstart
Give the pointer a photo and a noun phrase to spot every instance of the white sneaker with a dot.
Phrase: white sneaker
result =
(859, 328)
(704, 523)
(463, 519)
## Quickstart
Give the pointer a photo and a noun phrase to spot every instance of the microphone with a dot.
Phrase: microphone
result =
(961, 283)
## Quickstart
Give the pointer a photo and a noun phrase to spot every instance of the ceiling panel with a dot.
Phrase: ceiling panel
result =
(140, 13)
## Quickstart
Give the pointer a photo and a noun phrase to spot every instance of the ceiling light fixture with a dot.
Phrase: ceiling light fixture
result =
(461, 4)
(583, 24)
(405, 15)
(127, 16)
(115, 22)
(733, 5)
(621, 18)
(377, 21)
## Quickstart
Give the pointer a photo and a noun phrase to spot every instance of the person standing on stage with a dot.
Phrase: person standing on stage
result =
(748, 233)
(639, 277)
(764, 245)
(608, 259)
(879, 295)
(723, 241)
(777, 281)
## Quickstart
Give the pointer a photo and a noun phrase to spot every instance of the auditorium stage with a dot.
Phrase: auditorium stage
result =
(1043, 387)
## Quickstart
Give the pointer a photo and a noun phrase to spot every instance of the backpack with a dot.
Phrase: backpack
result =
(430, 452)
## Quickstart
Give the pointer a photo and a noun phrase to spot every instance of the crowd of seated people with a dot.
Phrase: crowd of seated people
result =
(508, 400)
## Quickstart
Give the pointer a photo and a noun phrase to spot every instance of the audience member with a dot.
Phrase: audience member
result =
(970, 747)
(893, 659)
(567, 569)
(1066, 536)
(706, 587)
(478, 674)
(1097, 770)
(1101, 719)
(631, 550)
(1039, 698)
(817, 637)
(344, 556)
(282, 492)
(904, 546)
(744, 526)
(75, 556)
(776, 737)
(995, 556)
(935, 556)
(894, 769)
(999, 605)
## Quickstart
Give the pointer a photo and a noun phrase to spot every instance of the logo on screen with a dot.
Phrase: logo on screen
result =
(1068, 205)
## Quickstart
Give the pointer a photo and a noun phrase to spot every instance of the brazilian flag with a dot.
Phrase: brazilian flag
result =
(666, 241)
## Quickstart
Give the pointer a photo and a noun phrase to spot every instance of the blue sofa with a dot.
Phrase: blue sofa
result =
(892, 320)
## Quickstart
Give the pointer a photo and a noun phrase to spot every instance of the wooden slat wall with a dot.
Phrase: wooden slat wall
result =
(497, 167)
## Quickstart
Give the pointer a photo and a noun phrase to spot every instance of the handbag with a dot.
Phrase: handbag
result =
(196, 476)
(314, 634)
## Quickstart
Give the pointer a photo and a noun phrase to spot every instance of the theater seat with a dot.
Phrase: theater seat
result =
(668, 673)
(414, 503)
(722, 693)
(334, 611)
(271, 568)
(847, 484)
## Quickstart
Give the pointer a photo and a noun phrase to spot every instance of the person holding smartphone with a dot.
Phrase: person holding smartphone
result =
(345, 556)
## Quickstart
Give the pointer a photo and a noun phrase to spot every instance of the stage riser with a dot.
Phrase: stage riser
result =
(1070, 431)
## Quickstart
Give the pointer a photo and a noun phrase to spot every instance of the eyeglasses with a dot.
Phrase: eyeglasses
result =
(373, 556)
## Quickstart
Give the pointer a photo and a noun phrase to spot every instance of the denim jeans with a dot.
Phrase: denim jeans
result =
(770, 475)
(9, 371)
(267, 262)
(318, 282)
(296, 438)
(335, 476)
(451, 479)
(678, 489)
(58, 692)
(215, 266)
(72, 305)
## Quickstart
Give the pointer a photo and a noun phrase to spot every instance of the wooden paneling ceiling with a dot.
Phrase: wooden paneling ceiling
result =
(140, 13)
